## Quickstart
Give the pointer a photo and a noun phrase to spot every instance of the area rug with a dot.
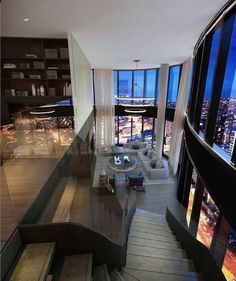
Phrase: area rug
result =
(101, 166)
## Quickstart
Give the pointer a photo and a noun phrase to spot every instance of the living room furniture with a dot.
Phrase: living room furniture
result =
(126, 163)
(136, 181)
(155, 168)
(135, 146)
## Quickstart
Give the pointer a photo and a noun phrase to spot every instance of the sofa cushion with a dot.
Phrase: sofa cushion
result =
(153, 164)
(145, 152)
(159, 164)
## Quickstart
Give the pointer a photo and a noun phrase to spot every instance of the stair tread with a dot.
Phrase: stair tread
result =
(116, 276)
(151, 236)
(143, 275)
(151, 226)
(145, 212)
(100, 273)
(152, 231)
(138, 216)
(154, 243)
(77, 268)
(156, 252)
(127, 276)
(151, 222)
(34, 263)
(160, 265)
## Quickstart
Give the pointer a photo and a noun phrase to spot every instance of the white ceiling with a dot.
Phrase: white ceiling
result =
(114, 32)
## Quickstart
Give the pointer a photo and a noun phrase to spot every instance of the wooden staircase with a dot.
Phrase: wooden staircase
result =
(153, 254)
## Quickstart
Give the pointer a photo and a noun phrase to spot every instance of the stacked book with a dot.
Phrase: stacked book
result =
(24, 65)
(64, 53)
(67, 90)
(9, 92)
(51, 53)
(38, 64)
(52, 92)
(65, 76)
(35, 76)
(9, 65)
(17, 75)
(22, 93)
(51, 74)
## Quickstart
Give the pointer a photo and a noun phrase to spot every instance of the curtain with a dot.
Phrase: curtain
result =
(104, 94)
(179, 117)
(160, 124)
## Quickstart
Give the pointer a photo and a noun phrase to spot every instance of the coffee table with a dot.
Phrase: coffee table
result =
(122, 166)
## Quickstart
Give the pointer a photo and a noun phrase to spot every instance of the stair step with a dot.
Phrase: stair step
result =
(143, 275)
(160, 265)
(156, 252)
(150, 226)
(151, 236)
(35, 262)
(77, 267)
(148, 213)
(116, 276)
(150, 222)
(100, 273)
(154, 243)
(146, 218)
(152, 231)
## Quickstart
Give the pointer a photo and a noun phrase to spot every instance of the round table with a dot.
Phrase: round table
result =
(124, 167)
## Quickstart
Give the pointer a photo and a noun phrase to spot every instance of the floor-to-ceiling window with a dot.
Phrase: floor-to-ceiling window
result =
(167, 137)
(173, 85)
(225, 129)
(209, 79)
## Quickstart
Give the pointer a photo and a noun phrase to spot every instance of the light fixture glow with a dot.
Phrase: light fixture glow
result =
(26, 19)
(49, 105)
(41, 112)
(133, 105)
(135, 110)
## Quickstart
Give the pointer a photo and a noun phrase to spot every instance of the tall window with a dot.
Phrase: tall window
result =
(209, 80)
(151, 85)
(167, 136)
(173, 85)
(208, 218)
(125, 84)
(115, 83)
(191, 195)
(138, 87)
(225, 129)
(148, 129)
(124, 129)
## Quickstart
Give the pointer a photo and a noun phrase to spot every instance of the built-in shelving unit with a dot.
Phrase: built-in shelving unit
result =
(33, 67)
(34, 71)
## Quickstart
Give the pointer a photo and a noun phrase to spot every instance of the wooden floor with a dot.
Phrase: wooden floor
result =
(21, 181)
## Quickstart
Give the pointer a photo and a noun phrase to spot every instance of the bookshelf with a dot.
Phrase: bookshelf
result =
(34, 68)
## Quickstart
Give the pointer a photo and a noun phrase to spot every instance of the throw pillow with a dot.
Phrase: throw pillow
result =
(159, 164)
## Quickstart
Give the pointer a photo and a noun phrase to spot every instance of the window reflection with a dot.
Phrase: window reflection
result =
(225, 129)
(207, 221)
(229, 266)
(173, 85)
(191, 195)
(167, 136)
(147, 130)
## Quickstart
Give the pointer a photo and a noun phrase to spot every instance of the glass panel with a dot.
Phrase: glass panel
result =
(225, 129)
(191, 195)
(173, 85)
(138, 85)
(125, 85)
(150, 85)
(208, 218)
(167, 137)
(147, 129)
(229, 266)
(116, 130)
(115, 74)
(137, 128)
(209, 80)
(124, 129)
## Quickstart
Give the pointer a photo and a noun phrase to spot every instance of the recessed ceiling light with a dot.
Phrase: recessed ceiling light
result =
(26, 19)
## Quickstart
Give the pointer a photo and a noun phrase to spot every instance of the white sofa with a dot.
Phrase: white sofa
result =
(155, 168)
(135, 146)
